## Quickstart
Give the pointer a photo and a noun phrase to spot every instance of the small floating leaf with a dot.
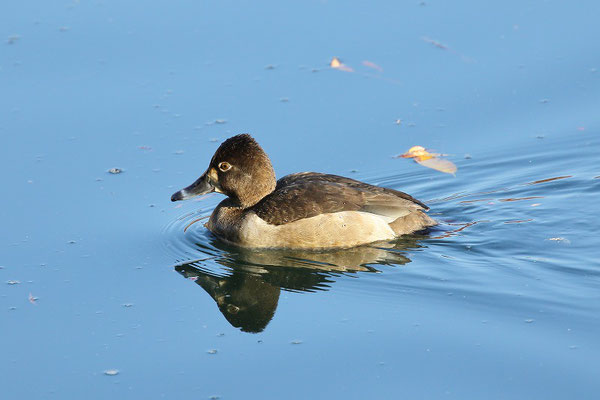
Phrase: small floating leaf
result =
(337, 64)
(430, 160)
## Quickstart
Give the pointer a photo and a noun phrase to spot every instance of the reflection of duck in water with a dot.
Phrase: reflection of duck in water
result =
(249, 295)
(245, 300)
(307, 210)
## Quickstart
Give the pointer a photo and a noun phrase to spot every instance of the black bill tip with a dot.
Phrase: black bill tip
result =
(177, 196)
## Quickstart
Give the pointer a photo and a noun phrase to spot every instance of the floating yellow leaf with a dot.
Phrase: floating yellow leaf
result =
(418, 152)
(337, 64)
(430, 160)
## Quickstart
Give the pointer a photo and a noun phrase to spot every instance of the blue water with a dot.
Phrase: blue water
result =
(500, 300)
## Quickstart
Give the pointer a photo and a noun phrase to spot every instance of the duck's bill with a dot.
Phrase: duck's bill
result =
(202, 186)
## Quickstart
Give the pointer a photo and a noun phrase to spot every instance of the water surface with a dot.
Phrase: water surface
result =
(99, 272)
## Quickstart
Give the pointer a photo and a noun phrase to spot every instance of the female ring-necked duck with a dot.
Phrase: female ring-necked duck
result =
(303, 210)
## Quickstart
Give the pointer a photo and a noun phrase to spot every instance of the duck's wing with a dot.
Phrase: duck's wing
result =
(307, 194)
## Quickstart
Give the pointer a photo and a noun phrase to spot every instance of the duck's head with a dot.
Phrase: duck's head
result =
(240, 169)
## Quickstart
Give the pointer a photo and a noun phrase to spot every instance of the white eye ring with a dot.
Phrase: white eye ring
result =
(224, 166)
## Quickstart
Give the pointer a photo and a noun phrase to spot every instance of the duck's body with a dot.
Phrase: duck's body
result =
(303, 210)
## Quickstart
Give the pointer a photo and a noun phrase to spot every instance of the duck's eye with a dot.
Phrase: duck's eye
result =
(224, 166)
(232, 309)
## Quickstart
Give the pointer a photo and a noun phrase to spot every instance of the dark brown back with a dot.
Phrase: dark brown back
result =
(307, 194)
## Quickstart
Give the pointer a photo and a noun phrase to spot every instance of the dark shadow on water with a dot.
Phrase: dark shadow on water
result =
(245, 284)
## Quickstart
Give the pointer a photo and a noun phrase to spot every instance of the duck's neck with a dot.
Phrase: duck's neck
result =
(256, 187)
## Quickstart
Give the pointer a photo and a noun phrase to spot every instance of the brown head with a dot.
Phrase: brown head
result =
(240, 169)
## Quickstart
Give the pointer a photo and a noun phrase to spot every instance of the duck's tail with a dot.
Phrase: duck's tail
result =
(413, 222)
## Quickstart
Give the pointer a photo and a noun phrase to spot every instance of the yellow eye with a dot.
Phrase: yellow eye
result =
(224, 166)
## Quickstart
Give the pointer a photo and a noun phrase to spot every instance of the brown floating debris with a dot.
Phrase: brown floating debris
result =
(549, 180)
(191, 223)
(435, 43)
(454, 232)
(521, 198)
(474, 201)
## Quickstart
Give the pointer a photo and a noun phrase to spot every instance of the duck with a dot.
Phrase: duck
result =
(305, 210)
